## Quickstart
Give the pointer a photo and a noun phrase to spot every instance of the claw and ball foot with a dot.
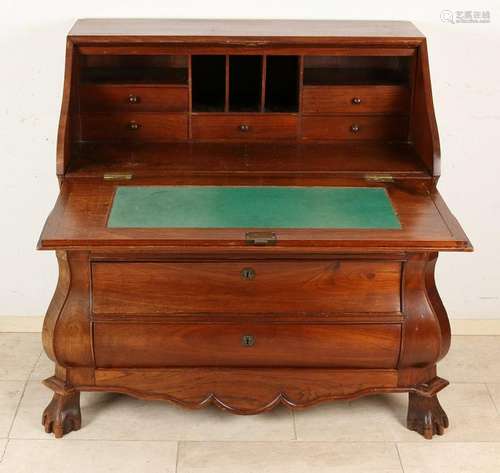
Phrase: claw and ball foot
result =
(426, 416)
(62, 415)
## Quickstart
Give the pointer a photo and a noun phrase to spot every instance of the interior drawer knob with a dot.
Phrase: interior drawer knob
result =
(248, 273)
(248, 340)
(133, 98)
(354, 128)
(244, 128)
(133, 125)
(356, 100)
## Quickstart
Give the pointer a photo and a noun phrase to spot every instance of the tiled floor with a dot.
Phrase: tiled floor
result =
(121, 434)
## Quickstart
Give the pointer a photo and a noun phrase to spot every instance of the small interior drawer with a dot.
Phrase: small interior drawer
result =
(360, 99)
(133, 98)
(244, 127)
(246, 288)
(354, 128)
(133, 345)
(140, 126)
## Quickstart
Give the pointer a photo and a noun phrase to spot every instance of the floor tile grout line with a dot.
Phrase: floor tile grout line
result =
(80, 439)
(396, 446)
(4, 450)
(492, 398)
(177, 456)
(23, 392)
(42, 352)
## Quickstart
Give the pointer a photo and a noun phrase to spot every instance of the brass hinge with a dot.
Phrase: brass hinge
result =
(261, 238)
(117, 177)
(379, 177)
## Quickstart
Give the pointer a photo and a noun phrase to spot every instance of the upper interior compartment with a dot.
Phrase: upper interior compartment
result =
(134, 69)
(318, 109)
(357, 70)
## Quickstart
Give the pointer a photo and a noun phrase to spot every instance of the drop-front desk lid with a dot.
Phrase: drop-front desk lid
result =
(95, 214)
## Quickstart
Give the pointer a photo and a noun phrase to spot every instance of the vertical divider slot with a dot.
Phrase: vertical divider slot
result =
(282, 84)
(208, 83)
(245, 83)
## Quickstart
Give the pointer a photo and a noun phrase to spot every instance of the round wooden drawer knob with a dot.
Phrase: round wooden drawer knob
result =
(133, 126)
(133, 99)
(248, 273)
(354, 128)
(244, 128)
(356, 100)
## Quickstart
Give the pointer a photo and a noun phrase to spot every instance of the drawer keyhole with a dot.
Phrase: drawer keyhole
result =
(248, 273)
(248, 340)
(133, 125)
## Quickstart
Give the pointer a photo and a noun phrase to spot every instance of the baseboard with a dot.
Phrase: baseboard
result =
(458, 326)
(11, 323)
(475, 326)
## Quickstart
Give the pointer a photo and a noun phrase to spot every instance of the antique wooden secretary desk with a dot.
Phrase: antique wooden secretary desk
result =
(248, 216)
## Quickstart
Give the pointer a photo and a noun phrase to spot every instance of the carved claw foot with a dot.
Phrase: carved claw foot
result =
(62, 415)
(426, 416)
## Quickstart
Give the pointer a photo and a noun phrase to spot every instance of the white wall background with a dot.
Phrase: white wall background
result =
(465, 70)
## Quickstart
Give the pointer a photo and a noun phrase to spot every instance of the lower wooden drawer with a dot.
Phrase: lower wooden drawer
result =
(133, 345)
(354, 128)
(244, 127)
(138, 126)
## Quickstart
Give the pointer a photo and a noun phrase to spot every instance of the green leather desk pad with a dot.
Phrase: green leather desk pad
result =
(252, 207)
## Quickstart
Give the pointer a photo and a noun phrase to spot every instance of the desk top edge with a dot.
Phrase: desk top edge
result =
(243, 29)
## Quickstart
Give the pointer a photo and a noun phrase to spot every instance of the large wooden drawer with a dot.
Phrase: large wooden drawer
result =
(390, 99)
(246, 287)
(138, 126)
(354, 128)
(244, 127)
(131, 345)
(133, 98)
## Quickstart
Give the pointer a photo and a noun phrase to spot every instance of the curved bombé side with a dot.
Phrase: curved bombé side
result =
(426, 329)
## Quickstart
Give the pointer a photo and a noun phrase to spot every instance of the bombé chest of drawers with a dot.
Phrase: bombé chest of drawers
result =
(248, 216)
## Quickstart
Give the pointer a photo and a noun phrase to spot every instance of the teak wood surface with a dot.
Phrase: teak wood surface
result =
(200, 316)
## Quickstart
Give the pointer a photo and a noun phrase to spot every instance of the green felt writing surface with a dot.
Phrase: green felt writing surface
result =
(252, 207)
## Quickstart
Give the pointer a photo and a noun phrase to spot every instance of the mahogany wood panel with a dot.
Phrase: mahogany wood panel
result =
(354, 127)
(134, 126)
(241, 390)
(235, 160)
(356, 99)
(149, 29)
(130, 98)
(141, 345)
(426, 318)
(67, 336)
(424, 130)
(319, 287)
(244, 126)
(79, 220)
(64, 131)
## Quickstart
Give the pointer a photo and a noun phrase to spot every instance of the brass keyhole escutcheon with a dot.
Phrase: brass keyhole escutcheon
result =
(244, 128)
(248, 340)
(248, 273)
(133, 99)
(133, 125)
